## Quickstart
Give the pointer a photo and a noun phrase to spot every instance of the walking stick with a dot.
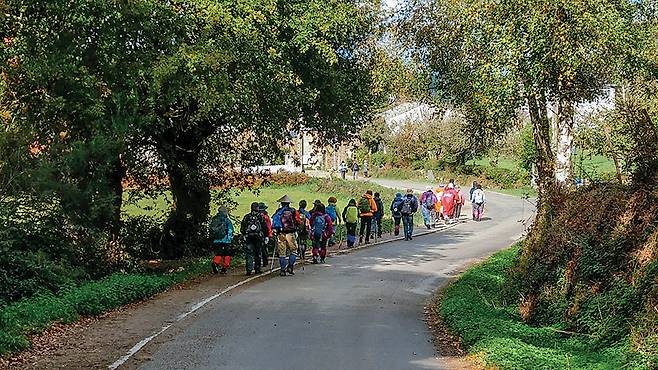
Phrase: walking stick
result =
(276, 241)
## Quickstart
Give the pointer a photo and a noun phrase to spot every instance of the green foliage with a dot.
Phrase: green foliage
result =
(35, 314)
(527, 150)
(492, 329)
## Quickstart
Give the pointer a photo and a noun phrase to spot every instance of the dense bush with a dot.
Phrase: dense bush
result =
(594, 268)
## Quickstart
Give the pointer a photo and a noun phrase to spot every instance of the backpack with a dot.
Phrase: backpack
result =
(407, 206)
(254, 227)
(364, 205)
(288, 224)
(319, 226)
(397, 206)
(303, 231)
(331, 211)
(380, 207)
(478, 196)
(352, 215)
(219, 227)
(429, 200)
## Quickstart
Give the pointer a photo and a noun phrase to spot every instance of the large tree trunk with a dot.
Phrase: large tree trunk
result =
(564, 143)
(184, 231)
(542, 136)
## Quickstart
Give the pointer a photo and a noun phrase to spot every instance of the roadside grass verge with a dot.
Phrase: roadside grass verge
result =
(491, 328)
(33, 315)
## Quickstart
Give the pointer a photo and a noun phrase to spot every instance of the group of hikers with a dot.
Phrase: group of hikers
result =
(342, 169)
(291, 229)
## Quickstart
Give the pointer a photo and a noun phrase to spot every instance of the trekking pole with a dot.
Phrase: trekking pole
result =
(276, 240)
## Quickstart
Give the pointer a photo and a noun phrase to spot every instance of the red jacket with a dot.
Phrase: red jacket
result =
(268, 221)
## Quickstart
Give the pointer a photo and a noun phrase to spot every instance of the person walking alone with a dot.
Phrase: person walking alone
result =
(364, 169)
(409, 207)
(367, 208)
(479, 200)
(355, 170)
(342, 169)
(253, 230)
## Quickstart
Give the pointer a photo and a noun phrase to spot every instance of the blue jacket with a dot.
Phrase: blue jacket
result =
(397, 202)
(229, 236)
(331, 211)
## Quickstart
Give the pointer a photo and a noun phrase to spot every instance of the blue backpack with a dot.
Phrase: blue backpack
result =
(331, 211)
(319, 226)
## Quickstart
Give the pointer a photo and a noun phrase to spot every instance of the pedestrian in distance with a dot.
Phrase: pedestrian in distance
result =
(322, 229)
(286, 222)
(342, 169)
(409, 208)
(332, 211)
(364, 169)
(448, 201)
(479, 201)
(378, 216)
(460, 200)
(253, 229)
(221, 234)
(470, 196)
(351, 218)
(367, 208)
(355, 170)
(396, 212)
(262, 207)
(428, 200)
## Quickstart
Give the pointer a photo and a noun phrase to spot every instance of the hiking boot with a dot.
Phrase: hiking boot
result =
(214, 268)
(367, 241)
(258, 271)
(265, 263)
(282, 273)
(290, 271)
(428, 226)
(248, 273)
(223, 271)
(315, 260)
(321, 259)
(360, 240)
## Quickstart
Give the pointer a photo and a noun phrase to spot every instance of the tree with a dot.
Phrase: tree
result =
(496, 58)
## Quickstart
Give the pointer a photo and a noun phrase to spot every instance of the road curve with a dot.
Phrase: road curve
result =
(360, 311)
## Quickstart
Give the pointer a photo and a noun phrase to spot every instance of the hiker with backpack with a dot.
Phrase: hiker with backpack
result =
(332, 211)
(448, 200)
(396, 212)
(304, 231)
(286, 221)
(364, 168)
(262, 207)
(253, 230)
(429, 200)
(351, 218)
(470, 196)
(342, 169)
(355, 170)
(479, 200)
(322, 229)
(409, 207)
(221, 234)
(367, 208)
(378, 216)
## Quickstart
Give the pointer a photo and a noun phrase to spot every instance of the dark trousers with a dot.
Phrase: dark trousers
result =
(396, 225)
(265, 251)
(378, 220)
(253, 253)
(351, 234)
(408, 221)
(366, 225)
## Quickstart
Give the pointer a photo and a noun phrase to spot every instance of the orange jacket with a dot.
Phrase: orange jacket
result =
(373, 206)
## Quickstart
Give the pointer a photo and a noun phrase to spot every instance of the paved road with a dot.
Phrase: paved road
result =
(361, 311)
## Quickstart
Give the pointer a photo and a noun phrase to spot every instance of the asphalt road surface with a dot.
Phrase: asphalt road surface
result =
(360, 311)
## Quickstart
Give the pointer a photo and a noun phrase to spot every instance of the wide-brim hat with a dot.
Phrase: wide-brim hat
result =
(285, 199)
(410, 191)
(262, 206)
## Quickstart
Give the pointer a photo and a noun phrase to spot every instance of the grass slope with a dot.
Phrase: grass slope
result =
(492, 330)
